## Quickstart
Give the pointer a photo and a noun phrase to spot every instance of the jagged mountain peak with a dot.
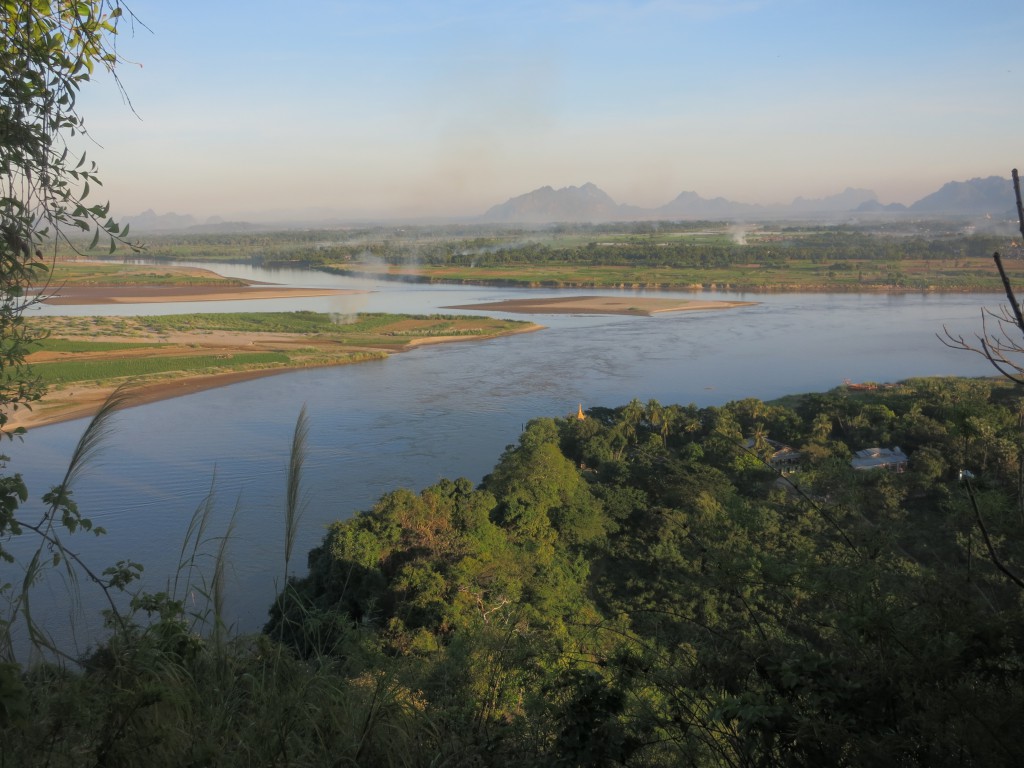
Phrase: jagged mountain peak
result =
(588, 203)
(546, 204)
(991, 195)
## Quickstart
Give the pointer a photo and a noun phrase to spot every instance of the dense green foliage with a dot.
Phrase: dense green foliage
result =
(637, 588)
(656, 243)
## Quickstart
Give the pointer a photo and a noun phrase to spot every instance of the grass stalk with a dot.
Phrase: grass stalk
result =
(61, 511)
(294, 504)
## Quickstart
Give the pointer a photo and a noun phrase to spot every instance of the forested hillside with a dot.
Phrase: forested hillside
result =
(637, 587)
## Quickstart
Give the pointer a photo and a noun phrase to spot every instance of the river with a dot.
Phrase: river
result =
(437, 411)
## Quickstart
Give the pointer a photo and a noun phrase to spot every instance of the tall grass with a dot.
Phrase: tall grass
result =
(176, 687)
(61, 516)
(294, 504)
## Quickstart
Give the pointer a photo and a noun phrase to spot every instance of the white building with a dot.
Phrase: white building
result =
(892, 459)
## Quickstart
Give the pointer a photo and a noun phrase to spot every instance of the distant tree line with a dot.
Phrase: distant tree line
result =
(639, 244)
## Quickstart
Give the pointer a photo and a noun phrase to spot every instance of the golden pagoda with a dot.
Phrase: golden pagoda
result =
(579, 414)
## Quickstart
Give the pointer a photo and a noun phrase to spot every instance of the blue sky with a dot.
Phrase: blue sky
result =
(447, 107)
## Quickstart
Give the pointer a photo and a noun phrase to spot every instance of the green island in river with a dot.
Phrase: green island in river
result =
(81, 360)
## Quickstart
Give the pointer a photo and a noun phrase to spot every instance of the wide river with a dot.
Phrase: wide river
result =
(437, 411)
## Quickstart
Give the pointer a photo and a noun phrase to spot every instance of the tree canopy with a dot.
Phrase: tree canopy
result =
(643, 587)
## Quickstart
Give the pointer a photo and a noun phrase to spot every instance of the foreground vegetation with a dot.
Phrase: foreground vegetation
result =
(639, 587)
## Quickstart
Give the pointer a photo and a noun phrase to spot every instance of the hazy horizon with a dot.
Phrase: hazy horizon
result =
(396, 109)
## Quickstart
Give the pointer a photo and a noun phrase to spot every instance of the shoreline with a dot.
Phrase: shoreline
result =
(603, 305)
(712, 286)
(78, 401)
(89, 399)
(76, 295)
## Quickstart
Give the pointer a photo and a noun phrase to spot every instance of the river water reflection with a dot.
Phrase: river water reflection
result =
(444, 411)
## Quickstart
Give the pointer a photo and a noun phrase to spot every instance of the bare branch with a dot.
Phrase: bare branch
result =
(1020, 207)
(988, 540)
(1010, 297)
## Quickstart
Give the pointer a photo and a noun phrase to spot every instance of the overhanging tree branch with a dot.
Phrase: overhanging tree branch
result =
(1006, 354)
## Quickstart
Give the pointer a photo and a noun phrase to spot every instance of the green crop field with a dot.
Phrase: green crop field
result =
(319, 323)
(106, 351)
(70, 345)
(66, 372)
(119, 274)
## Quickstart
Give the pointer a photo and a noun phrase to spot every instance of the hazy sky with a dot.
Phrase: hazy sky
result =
(450, 106)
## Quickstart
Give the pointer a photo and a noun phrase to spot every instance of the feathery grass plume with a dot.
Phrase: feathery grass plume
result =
(195, 535)
(211, 613)
(63, 511)
(294, 507)
(294, 504)
(91, 440)
(217, 582)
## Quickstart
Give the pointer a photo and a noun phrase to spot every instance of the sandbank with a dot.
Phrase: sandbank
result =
(602, 305)
(146, 294)
(83, 399)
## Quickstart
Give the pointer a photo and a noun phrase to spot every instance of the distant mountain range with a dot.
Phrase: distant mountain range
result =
(151, 221)
(589, 203)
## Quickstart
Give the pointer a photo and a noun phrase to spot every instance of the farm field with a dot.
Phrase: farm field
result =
(82, 273)
(83, 359)
(119, 283)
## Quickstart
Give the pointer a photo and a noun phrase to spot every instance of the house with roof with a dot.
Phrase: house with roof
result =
(891, 459)
(783, 458)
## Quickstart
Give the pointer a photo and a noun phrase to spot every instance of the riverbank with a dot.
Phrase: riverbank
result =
(602, 305)
(965, 275)
(150, 294)
(85, 359)
(84, 401)
(90, 282)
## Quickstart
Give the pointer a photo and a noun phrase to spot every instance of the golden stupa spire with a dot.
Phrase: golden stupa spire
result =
(579, 414)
